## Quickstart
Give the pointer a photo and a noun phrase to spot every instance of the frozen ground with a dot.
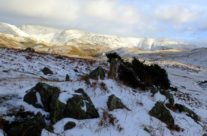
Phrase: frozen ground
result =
(20, 71)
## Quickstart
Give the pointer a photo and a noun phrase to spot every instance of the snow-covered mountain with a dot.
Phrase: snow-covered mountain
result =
(55, 37)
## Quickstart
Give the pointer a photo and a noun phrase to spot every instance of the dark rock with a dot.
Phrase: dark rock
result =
(168, 95)
(57, 111)
(3, 123)
(184, 109)
(139, 75)
(67, 78)
(26, 126)
(160, 112)
(46, 97)
(113, 56)
(115, 103)
(98, 73)
(29, 49)
(80, 106)
(114, 67)
(151, 75)
(47, 71)
(42, 96)
(69, 125)
(128, 76)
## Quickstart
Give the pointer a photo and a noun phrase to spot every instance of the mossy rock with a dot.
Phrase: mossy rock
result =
(115, 103)
(184, 109)
(129, 77)
(57, 111)
(42, 95)
(160, 112)
(80, 106)
(69, 125)
(26, 126)
(98, 73)
(46, 71)
(46, 97)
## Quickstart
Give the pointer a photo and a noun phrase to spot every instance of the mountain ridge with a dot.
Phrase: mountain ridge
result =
(61, 41)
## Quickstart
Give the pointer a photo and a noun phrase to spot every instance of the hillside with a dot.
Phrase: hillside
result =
(63, 42)
(21, 71)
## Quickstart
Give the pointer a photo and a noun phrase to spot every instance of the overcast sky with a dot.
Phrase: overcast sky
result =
(173, 19)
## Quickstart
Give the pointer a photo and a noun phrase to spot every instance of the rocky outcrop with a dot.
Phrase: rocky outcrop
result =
(45, 96)
(98, 73)
(115, 103)
(80, 106)
(136, 74)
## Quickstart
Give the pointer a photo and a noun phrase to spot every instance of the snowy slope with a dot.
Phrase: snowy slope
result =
(12, 30)
(18, 73)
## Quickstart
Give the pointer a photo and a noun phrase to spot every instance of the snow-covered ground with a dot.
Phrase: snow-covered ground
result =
(20, 71)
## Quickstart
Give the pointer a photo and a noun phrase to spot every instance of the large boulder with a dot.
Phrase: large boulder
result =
(27, 125)
(115, 103)
(136, 74)
(98, 73)
(42, 96)
(160, 112)
(46, 97)
(80, 106)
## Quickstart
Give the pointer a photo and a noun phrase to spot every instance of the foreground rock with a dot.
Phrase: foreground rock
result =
(25, 124)
(80, 106)
(45, 96)
(115, 103)
(160, 112)
(98, 73)
(42, 96)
